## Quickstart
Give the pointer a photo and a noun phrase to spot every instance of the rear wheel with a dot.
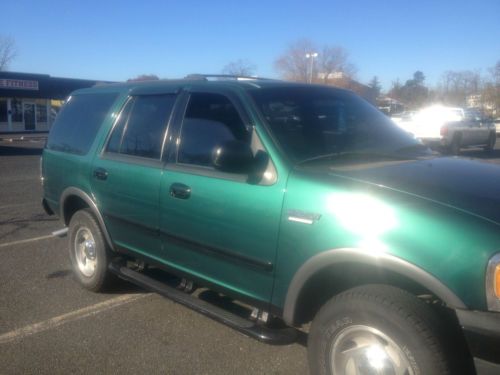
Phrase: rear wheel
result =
(454, 147)
(490, 146)
(88, 252)
(377, 329)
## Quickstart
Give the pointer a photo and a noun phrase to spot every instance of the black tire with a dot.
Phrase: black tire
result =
(89, 262)
(454, 147)
(490, 146)
(388, 317)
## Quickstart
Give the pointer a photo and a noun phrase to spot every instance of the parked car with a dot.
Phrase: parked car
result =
(404, 120)
(304, 202)
(497, 126)
(449, 129)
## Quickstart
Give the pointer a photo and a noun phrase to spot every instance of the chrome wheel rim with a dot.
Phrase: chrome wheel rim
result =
(364, 350)
(85, 252)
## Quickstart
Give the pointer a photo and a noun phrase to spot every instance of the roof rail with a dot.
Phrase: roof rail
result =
(207, 77)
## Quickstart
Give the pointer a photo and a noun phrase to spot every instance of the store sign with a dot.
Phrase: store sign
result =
(18, 84)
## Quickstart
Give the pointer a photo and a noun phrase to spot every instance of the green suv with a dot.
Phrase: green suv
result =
(292, 204)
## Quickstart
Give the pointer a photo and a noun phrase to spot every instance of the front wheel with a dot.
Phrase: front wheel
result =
(377, 329)
(89, 252)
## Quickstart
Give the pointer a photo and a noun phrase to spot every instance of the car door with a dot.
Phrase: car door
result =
(483, 131)
(220, 227)
(470, 133)
(127, 174)
(476, 132)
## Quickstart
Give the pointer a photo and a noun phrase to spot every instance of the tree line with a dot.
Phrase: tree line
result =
(306, 61)
(463, 88)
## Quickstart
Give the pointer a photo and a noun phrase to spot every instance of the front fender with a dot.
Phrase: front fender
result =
(378, 260)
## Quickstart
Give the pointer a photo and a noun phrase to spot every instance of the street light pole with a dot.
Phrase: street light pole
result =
(311, 56)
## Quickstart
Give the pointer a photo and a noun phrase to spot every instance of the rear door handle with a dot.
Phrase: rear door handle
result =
(180, 191)
(101, 174)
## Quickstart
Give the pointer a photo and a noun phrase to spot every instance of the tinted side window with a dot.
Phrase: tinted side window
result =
(116, 138)
(141, 126)
(78, 122)
(210, 120)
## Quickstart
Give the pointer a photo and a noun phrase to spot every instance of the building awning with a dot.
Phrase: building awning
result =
(40, 86)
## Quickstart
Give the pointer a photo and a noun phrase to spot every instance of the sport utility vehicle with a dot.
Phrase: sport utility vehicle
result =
(300, 203)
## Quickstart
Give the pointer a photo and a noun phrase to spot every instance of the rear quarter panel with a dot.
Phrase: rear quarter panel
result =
(62, 169)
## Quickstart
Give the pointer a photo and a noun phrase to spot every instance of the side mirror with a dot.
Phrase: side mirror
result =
(233, 157)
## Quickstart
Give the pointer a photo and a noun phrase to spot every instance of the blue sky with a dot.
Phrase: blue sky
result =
(117, 40)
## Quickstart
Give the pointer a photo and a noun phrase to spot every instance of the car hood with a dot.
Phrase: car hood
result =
(465, 184)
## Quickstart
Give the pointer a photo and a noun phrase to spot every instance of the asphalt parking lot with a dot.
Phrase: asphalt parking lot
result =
(49, 325)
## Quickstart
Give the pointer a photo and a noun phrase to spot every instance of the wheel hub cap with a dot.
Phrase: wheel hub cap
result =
(85, 252)
(89, 248)
(363, 350)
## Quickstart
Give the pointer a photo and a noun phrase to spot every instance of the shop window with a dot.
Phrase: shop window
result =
(17, 110)
(41, 113)
(3, 111)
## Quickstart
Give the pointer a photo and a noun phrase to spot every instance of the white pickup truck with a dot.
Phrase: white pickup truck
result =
(450, 129)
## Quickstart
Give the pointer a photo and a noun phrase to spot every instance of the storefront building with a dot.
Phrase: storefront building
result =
(30, 102)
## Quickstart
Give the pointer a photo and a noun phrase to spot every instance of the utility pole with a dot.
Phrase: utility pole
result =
(311, 56)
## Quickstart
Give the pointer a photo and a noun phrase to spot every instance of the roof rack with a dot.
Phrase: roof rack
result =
(207, 77)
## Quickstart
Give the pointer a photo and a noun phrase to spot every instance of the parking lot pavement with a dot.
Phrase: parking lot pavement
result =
(49, 325)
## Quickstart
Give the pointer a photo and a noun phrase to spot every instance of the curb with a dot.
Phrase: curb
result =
(22, 139)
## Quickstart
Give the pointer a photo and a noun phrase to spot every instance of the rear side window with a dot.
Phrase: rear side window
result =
(141, 126)
(78, 122)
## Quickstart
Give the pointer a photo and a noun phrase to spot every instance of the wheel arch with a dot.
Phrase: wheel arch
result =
(72, 199)
(373, 263)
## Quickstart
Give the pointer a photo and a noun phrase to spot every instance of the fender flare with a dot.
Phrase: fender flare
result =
(379, 260)
(73, 191)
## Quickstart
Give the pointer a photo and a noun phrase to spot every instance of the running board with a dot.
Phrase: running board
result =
(274, 336)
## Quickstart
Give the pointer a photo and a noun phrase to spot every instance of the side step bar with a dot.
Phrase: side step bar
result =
(274, 336)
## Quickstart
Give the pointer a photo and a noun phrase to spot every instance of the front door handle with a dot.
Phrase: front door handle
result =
(101, 174)
(180, 191)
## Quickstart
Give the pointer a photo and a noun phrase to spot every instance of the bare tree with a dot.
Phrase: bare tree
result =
(395, 90)
(490, 97)
(330, 63)
(293, 63)
(335, 59)
(414, 94)
(240, 68)
(7, 52)
(456, 86)
(495, 73)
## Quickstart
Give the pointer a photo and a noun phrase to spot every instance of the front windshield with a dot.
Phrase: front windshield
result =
(312, 122)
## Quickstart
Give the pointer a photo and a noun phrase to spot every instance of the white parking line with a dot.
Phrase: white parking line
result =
(27, 240)
(69, 317)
